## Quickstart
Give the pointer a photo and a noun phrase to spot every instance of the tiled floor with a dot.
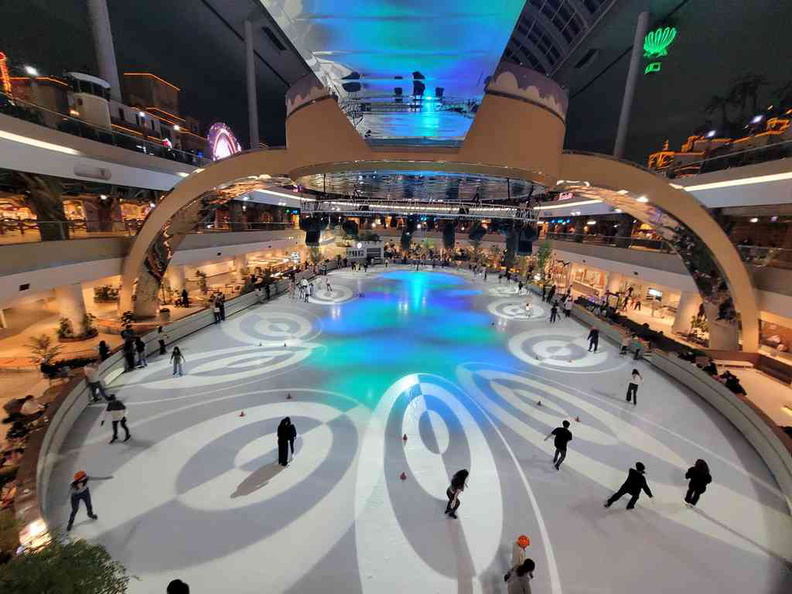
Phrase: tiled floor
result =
(473, 380)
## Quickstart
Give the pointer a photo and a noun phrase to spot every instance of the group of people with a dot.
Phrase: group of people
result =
(218, 307)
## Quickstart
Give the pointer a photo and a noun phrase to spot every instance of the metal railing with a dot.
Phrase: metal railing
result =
(719, 162)
(32, 230)
(772, 257)
(635, 243)
(36, 114)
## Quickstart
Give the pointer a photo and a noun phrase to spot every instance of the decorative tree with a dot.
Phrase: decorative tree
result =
(45, 198)
(64, 566)
(88, 325)
(543, 255)
(65, 329)
(43, 348)
(202, 284)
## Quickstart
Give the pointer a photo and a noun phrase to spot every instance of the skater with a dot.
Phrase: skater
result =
(292, 289)
(162, 339)
(104, 350)
(699, 477)
(178, 359)
(519, 287)
(267, 291)
(562, 437)
(486, 271)
(568, 306)
(221, 300)
(310, 290)
(518, 581)
(551, 294)
(129, 354)
(635, 483)
(286, 435)
(636, 379)
(638, 345)
(140, 347)
(94, 382)
(79, 492)
(117, 412)
(327, 284)
(216, 310)
(593, 338)
(625, 345)
(544, 292)
(554, 313)
(457, 486)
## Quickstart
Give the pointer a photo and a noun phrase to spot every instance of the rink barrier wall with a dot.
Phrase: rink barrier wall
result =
(769, 441)
(42, 451)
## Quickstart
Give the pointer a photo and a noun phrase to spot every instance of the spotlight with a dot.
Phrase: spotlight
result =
(754, 220)
(711, 133)
(142, 114)
(30, 71)
(756, 119)
(176, 127)
(643, 199)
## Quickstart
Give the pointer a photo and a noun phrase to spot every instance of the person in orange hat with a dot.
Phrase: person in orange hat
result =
(79, 492)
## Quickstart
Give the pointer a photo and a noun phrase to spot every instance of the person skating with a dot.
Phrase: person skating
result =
(286, 435)
(162, 340)
(699, 477)
(635, 483)
(216, 310)
(221, 303)
(593, 338)
(94, 382)
(551, 294)
(78, 491)
(140, 348)
(562, 437)
(636, 379)
(518, 581)
(292, 435)
(458, 483)
(554, 313)
(104, 350)
(177, 358)
(117, 412)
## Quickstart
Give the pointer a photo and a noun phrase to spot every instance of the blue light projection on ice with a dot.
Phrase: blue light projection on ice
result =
(454, 45)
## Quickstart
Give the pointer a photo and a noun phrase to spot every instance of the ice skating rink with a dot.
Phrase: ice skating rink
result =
(459, 367)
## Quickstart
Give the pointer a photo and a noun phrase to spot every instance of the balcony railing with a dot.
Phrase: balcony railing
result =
(766, 256)
(30, 112)
(33, 230)
(760, 154)
(634, 243)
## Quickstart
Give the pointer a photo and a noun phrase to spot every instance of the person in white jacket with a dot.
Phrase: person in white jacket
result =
(636, 379)
(117, 412)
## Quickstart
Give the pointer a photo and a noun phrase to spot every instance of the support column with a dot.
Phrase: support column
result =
(240, 262)
(688, 307)
(632, 80)
(614, 282)
(103, 43)
(71, 305)
(250, 76)
(176, 277)
(723, 335)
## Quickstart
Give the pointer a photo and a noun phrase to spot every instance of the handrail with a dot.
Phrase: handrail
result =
(659, 245)
(743, 157)
(20, 109)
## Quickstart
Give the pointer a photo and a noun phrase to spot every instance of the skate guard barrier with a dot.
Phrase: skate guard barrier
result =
(42, 451)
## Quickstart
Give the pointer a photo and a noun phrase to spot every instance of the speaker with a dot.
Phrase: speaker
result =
(449, 235)
(406, 239)
(350, 228)
(478, 232)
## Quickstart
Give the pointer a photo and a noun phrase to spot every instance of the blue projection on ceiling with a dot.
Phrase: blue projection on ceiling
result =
(398, 55)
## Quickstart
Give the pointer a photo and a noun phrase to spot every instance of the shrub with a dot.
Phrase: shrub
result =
(66, 567)
(65, 329)
(43, 349)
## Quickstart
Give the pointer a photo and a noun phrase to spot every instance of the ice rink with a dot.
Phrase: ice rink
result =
(459, 367)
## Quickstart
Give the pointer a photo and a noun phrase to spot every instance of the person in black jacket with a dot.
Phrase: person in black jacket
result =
(562, 437)
(457, 486)
(593, 339)
(699, 477)
(554, 313)
(635, 483)
(287, 433)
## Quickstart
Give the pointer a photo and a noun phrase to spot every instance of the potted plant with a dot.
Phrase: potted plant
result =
(44, 350)
(89, 326)
(202, 285)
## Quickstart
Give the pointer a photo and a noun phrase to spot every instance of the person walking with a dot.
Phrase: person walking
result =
(518, 580)
(216, 310)
(327, 284)
(633, 485)
(178, 359)
(568, 306)
(79, 491)
(104, 350)
(544, 292)
(562, 437)
(162, 340)
(117, 412)
(140, 347)
(486, 272)
(699, 477)
(593, 338)
(551, 294)
(554, 313)
(636, 379)
(286, 435)
(458, 484)
(519, 287)
(94, 382)
(292, 436)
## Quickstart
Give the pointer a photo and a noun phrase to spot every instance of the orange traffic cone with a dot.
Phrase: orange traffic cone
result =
(242, 414)
(403, 476)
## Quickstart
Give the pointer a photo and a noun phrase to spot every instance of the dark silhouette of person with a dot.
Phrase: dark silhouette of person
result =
(635, 483)
(185, 297)
(593, 339)
(104, 350)
(562, 437)
(554, 313)
(177, 587)
(699, 477)
(457, 486)
(287, 433)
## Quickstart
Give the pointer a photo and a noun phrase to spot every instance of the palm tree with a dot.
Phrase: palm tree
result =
(719, 104)
(783, 97)
(45, 198)
(746, 88)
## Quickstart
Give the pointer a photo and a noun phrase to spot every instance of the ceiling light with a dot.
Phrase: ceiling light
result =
(141, 114)
(759, 179)
(37, 143)
(591, 222)
(622, 192)
(176, 127)
(103, 196)
(182, 174)
(617, 210)
(711, 133)
(754, 220)
(756, 119)
(554, 206)
(30, 71)
(152, 205)
(643, 199)
(773, 219)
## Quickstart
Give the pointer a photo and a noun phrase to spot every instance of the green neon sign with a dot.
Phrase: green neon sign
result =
(656, 42)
